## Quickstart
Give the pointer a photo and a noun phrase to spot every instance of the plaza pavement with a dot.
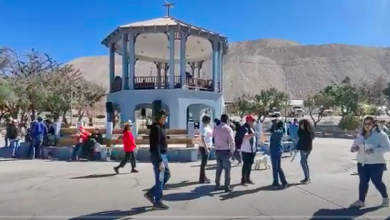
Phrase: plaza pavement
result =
(89, 190)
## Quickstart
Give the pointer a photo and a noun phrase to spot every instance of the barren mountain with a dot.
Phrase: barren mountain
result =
(260, 64)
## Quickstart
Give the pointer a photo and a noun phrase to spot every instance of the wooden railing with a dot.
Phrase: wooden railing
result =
(154, 82)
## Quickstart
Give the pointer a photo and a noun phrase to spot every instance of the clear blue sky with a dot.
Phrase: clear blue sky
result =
(68, 29)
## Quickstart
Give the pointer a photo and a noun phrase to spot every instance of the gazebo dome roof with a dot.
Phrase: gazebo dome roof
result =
(152, 42)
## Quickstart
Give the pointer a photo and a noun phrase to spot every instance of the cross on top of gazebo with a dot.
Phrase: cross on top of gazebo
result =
(168, 5)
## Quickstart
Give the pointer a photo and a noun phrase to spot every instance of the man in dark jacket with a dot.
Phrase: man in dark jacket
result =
(13, 136)
(38, 133)
(158, 149)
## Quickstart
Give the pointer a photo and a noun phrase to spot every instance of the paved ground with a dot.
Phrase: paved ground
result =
(88, 190)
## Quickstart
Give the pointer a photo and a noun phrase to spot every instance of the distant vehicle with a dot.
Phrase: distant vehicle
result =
(296, 111)
(273, 113)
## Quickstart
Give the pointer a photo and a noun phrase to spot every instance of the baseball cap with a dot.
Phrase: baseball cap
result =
(128, 122)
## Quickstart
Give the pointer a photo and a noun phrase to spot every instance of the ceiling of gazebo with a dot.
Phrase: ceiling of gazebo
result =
(152, 43)
(155, 47)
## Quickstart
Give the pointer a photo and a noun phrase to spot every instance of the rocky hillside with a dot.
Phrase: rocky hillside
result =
(260, 64)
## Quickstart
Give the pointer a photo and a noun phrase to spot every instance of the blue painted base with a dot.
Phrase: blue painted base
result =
(117, 153)
(174, 154)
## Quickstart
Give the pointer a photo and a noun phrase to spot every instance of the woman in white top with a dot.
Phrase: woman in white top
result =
(371, 145)
(206, 134)
(248, 149)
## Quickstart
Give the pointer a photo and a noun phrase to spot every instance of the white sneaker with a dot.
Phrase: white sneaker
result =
(357, 204)
(385, 202)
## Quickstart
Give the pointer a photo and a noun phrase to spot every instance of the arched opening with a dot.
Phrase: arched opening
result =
(195, 113)
(144, 114)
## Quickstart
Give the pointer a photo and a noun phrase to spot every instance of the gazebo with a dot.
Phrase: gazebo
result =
(168, 43)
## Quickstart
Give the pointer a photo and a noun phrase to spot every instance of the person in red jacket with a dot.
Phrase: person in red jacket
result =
(82, 137)
(129, 148)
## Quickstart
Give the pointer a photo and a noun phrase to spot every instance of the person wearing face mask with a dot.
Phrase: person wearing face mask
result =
(371, 145)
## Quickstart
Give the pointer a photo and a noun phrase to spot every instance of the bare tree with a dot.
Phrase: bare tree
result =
(318, 102)
(62, 84)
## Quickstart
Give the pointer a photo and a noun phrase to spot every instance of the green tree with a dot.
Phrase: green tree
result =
(269, 100)
(347, 97)
(386, 93)
(242, 105)
(319, 102)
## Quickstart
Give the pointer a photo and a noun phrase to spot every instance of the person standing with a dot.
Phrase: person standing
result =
(158, 156)
(206, 134)
(82, 138)
(306, 136)
(238, 138)
(7, 124)
(371, 145)
(13, 133)
(248, 149)
(224, 148)
(39, 131)
(276, 150)
(129, 148)
(293, 132)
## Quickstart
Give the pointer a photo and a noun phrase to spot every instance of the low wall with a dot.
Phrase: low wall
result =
(64, 153)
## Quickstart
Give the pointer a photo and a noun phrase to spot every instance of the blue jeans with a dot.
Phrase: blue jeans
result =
(76, 151)
(14, 144)
(277, 171)
(304, 164)
(295, 142)
(158, 187)
(97, 156)
(37, 147)
(373, 172)
(223, 163)
(6, 142)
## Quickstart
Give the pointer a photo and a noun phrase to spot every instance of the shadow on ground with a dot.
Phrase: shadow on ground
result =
(198, 192)
(115, 214)
(172, 186)
(7, 160)
(97, 176)
(343, 213)
(214, 166)
(235, 194)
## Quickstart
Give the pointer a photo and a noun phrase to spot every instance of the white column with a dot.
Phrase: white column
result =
(158, 66)
(171, 59)
(131, 61)
(214, 65)
(183, 75)
(125, 63)
(112, 65)
(220, 67)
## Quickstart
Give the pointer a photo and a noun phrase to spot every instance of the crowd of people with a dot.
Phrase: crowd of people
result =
(371, 145)
(42, 133)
